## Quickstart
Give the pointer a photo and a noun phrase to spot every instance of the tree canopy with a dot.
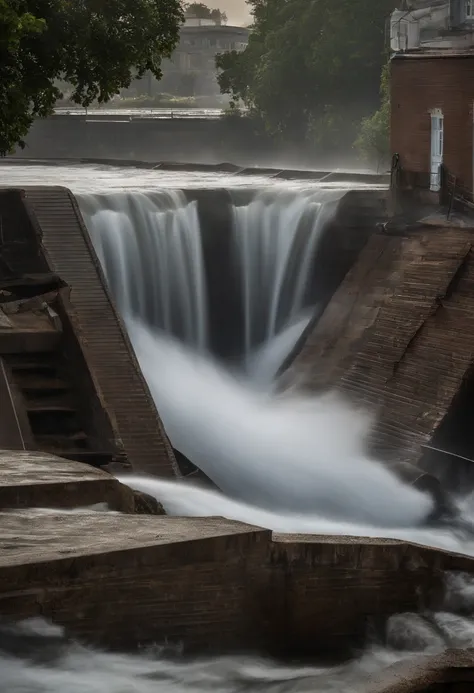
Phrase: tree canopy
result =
(97, 46)
(374, 137)
(312, 67)
(202, 11)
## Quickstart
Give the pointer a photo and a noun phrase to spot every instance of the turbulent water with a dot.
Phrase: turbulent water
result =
(282, 453)
(38, 658)
(284, 461)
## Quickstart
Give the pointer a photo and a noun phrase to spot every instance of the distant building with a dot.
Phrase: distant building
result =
(432, 93)
(192, 69)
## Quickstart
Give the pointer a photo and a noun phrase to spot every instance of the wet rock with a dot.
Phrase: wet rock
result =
(412, 633)
(147, 505)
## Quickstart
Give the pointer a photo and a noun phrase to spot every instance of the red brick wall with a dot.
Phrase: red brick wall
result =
(418, 86)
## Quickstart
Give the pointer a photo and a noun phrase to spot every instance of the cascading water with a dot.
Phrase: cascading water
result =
(150, 246)
(282, 461)
(276, 240)
(150, 249)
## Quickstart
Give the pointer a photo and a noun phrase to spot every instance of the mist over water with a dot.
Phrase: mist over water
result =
(288, 453)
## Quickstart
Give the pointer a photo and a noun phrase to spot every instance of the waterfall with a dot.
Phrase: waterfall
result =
(150, 245)
(150, 249)
(276, 239)
(290, 460)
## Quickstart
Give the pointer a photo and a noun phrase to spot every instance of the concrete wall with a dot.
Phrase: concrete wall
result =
(420, 84)
(122, 580)
(190, 140)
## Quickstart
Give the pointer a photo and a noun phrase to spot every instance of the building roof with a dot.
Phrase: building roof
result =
(422, 4)
(219, 29)
(429, 53)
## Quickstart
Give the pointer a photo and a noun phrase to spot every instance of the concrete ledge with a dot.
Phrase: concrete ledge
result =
(124, 580)
(224, 167)
(349, 584)
(209, 583)
(41, 480)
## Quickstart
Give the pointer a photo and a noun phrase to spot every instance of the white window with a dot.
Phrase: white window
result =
(469, 9)
(403, 36)
(437, 148)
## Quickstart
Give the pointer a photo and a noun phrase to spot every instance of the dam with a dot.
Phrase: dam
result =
(237, 332)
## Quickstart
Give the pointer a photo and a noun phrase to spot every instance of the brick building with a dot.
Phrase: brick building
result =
(432, 92)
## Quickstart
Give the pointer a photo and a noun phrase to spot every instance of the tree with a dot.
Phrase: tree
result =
(97, 46)
(311, 67)
(202, 11)
(373, 141)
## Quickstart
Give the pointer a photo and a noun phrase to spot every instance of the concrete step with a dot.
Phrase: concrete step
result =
(122, 580)
(43, 480)
(34, 383)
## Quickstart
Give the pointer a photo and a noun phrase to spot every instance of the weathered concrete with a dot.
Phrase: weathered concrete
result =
(398, 335)
(452, 671)
(27, 330)
(44, 232)
(119, 580)
(40, 480)
(345, 583)
(124, 580)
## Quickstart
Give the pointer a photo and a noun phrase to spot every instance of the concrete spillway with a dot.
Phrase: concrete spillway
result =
(397, 337)
(213, 583)
(43, 232)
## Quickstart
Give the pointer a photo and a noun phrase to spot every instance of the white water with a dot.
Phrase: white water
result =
(263, 364)
(276, 238)
(285, 454)
(150, 248)
(36, 657)
(291, 463)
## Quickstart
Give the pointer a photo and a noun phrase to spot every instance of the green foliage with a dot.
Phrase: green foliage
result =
(202, 11)
(373, 142)
(97, 46)
(311, 68)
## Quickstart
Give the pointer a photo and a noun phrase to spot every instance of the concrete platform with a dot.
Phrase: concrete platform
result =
(212, 584)
(350, 584)
(42, 480)
(124, 580)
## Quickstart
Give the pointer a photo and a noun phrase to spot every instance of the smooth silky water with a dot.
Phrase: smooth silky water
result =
(284, 461)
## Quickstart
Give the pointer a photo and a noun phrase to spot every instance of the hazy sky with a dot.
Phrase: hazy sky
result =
(236, 10)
